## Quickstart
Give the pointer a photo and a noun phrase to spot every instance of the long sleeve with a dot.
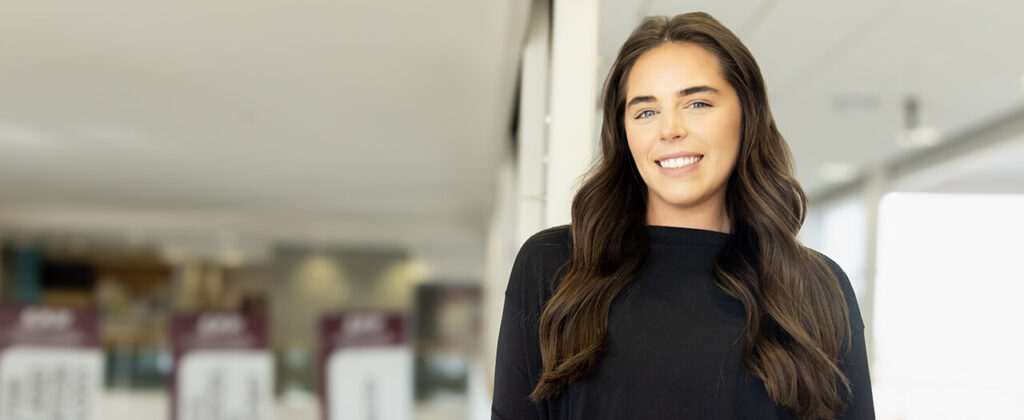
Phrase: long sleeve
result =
(861, 406)
(518, 363)
(512, 368)
(512, 385)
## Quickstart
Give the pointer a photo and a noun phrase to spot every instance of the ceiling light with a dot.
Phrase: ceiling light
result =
(839, 172)
(919, 137)
(914, 134)
(232, 257)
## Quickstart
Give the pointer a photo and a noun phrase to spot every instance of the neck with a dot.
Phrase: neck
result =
(706, 216)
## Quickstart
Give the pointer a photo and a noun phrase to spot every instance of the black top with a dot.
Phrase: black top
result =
(674, 345)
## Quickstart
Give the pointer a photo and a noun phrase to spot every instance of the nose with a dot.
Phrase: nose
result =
(671, 127)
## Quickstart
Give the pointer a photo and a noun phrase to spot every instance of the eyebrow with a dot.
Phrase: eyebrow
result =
(685, 92)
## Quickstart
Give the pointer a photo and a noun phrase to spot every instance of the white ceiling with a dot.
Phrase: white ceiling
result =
(996, 171)
(197, 123)
(369, 122)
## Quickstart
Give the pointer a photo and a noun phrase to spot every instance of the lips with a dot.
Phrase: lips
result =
(679, 162)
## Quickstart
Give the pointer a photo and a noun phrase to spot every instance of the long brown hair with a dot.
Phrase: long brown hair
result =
(797, 326)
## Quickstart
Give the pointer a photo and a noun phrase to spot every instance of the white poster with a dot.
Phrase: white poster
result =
(48, 383)
(223, 369)
(50, 363)
(224, 384)
(367, 367)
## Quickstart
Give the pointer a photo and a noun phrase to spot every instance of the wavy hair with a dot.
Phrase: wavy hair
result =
(795, 334)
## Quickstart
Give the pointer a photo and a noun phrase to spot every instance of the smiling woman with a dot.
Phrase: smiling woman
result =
(680, 290)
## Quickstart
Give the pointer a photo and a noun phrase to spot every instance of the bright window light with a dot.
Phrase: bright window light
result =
(948, 298)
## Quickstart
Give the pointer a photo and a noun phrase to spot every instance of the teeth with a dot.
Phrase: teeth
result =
(679, 162)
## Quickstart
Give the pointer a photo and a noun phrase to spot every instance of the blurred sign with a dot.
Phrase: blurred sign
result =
(365, 367)
(50, 363)
(223, 369)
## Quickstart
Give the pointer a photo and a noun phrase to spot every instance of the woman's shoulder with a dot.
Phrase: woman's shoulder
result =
(553, 238)
(856, 321)
(534, 273)
(546, 251)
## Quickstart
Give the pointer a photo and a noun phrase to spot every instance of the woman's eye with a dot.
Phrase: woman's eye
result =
(645, 114)
(700, 105)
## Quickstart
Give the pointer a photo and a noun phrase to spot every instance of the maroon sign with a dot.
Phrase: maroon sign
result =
(222, 367)
(48, 326)
(218, 330)
(350, 331)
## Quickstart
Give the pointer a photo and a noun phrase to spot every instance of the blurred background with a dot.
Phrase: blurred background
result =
(291, 161)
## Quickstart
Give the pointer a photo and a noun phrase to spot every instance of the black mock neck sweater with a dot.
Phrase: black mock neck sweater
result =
(674, 346)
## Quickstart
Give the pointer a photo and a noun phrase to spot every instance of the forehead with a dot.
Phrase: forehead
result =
(672, 66)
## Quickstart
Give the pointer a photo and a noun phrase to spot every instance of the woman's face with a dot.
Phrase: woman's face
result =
(682, 124)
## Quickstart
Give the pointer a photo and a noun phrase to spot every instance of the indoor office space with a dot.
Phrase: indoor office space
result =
(320, 210)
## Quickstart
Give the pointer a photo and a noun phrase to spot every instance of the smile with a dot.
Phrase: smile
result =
(679, 162)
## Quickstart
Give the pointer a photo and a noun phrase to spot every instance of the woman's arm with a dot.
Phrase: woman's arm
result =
(512, 384)
(519, 363)
(513, 379)
(861, 405)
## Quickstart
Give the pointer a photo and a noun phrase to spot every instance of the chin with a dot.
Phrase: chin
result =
(685, 195)
(681, 199)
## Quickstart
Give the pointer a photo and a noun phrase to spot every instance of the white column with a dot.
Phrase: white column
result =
(874, 187)
(519, 202)
(572, 104)
(532, 130)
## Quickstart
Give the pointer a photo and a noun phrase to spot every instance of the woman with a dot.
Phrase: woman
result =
(680, 290)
